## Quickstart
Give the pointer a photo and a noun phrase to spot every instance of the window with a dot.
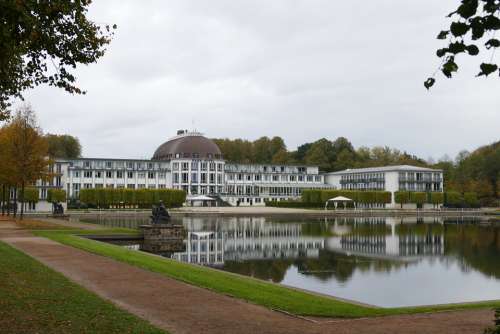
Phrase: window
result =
(185, 177)
(249, 177)
(176, 177)
(119, 175)
(240, 177)
(162, 175)
(109, 164)
(203, 166)
(76, 173)
(109, 175)
(194, 177)
(194, 165)
(257, 177)
(87, 174)
(219, 178)
(130, 165)
(150, 165)
(175, 166)
(98, 185)
(141, 186)
(130, 175)
(140, 165)
(86, 186)
(275, 178)
(219, 167)
(151, 175)
(141, 175)
(131, 186)
(203, 178)
(212, 166)
(86, 164)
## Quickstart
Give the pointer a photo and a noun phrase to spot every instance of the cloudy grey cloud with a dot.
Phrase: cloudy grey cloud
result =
(295, 68)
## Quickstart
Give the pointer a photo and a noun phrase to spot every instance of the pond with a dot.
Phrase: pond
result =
(381, 261)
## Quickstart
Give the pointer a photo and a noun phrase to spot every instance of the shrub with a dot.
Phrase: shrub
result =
(144, 198)
(294, 204)
(402, 197)
(453, 199)
(436, 198)
(31, 195)
(56, 195)
(418, 198)
(383, 197)
(471, 199)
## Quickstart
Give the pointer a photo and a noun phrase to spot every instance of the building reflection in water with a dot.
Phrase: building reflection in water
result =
(387, 238)
(215, 241)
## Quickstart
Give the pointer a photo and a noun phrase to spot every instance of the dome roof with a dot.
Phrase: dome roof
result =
(188, 145)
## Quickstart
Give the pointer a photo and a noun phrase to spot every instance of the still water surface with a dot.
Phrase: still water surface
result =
(380, 261)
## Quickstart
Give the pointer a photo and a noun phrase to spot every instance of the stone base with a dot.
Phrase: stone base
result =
(163, 238)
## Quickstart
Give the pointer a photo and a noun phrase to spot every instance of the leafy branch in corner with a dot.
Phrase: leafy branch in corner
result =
(41, 42)
(474, 27)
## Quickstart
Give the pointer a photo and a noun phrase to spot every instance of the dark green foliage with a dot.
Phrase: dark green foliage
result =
(453, 199)
(41, 42)
(470, 199)
(329, 155)
(144, 198)
(63, 146)
(473, 20)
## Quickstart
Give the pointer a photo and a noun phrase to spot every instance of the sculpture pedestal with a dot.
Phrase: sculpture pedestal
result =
(163, 238)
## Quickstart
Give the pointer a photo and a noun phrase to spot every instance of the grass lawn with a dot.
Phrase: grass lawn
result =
(253, 290)
(35, 299)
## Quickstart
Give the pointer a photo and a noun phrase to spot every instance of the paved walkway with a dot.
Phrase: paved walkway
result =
(182, 308)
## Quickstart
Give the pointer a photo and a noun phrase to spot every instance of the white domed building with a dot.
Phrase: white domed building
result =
(196, 163)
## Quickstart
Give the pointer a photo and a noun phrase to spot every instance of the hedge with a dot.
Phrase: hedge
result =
(402, 197)
(294, 204)
(105, 197)
(56, 195)
(368, 197)
(31, 195)
(418, 198)
(436, 198)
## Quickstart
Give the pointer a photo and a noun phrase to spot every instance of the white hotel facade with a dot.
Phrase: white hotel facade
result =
(194, 163)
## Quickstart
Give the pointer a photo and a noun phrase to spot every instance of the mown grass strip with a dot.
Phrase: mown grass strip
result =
(35, 299)
(255, 291)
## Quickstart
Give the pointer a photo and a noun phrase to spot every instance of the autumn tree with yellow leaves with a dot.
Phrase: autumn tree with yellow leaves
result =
(24, 155)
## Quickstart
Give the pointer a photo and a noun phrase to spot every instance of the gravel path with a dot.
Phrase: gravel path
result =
(182, 308)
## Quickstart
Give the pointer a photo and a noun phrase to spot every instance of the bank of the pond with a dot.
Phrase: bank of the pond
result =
(263, 293)
(35, 299)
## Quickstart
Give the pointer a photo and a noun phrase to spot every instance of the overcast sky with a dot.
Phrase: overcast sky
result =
(300, 69)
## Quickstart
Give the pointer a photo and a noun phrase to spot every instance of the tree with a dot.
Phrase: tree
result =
(321, 154)
(473, 26)
(25, 150)
(63, 146)
(42, 41)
